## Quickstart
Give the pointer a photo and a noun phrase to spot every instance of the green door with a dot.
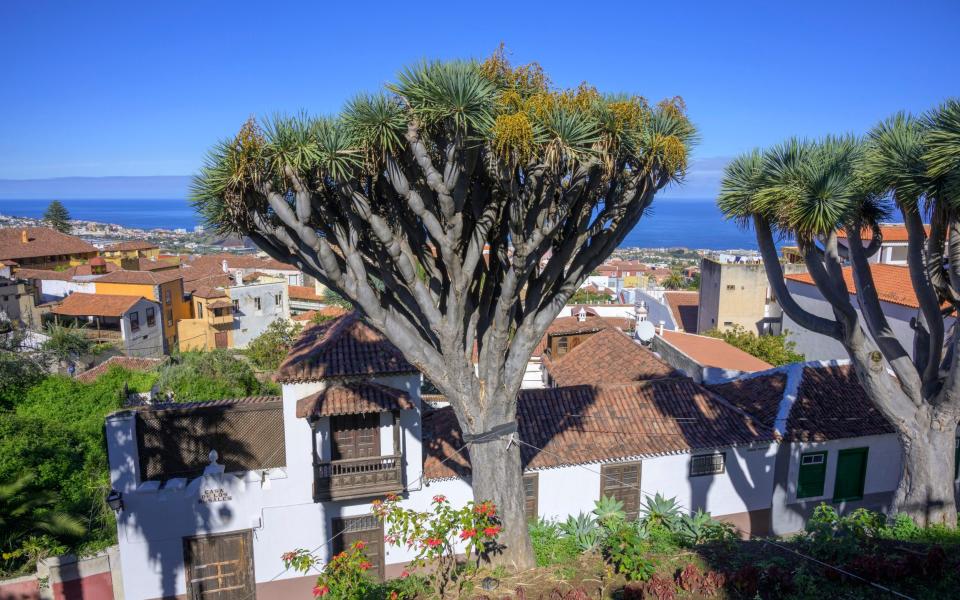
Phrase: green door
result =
(851, 473)
(813, 471)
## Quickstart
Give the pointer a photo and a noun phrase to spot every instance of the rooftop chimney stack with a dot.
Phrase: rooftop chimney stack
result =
(24, 238)
(238, 276)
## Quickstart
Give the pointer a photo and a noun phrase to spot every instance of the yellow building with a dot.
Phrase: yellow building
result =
(212, 322)
(130, 253)
(43, 248)
(164, 287)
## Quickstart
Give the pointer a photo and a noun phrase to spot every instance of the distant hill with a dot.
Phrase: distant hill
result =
(132, 188)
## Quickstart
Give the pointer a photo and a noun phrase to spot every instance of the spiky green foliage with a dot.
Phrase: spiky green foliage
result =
(57, 217)
(942, 154)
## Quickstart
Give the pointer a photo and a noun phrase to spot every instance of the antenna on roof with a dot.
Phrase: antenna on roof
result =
(646, 331)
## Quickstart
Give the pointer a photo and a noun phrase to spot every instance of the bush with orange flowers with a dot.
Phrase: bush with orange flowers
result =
(344, 577)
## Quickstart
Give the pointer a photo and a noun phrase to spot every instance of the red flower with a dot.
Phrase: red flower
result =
(360, 544)
(392, 497)
(288, 556)
(491, 531)
(365, 565)
(405, 574)
(321, 590)
(340, 556)
(433, 542)
(394, 595)
(439, 498)
(466, 534)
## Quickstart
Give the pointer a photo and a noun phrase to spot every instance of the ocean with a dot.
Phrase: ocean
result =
(691, 223)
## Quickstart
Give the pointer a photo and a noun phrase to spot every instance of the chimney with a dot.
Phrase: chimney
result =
(660, 331)
(24, 238)
(223, 265)
(238, 277)
(582, 315)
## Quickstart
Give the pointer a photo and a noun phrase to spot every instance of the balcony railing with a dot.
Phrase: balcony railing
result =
(220, 319)
(103, 335)
(357, 478)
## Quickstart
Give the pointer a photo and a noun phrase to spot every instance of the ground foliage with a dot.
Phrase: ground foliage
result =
(774, 349)
(268, 349)
(210, 375)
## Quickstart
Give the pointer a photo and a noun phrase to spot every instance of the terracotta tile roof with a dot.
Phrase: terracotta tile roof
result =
(43, 274)
(573, 326)
(129, 363)
(714, 352)
(353, 398)
(684, 307)
(79, 304)
(207, 292)
(237, 261)
(585, 424)
(130, 246)
(830, 403)
(892, 283)
(891, 233)
(331, 312)
(302, 292)
(343, 347)
(149, 264)
(200, 280)
(606, 357)
(220, 304)
(141, 277)
(40, 242)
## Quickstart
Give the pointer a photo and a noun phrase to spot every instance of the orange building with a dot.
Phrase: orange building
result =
(164, 287)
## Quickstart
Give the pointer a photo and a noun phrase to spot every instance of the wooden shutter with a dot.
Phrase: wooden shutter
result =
(851, 474)
(219, 567)
(355, 436)
(622, 481)
(813, 472)
(531, 496)
(367, 529)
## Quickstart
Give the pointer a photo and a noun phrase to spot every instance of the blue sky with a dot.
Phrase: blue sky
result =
(127, 88)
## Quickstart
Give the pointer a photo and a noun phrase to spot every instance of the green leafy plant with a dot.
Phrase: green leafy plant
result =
(583, 530)
(550, 545)
(658, 511)
(267, 350)
(345, 577)
(438, 534)
(700, 527)
(628, 554)
(609, 511)
(774, 349)
(213, 375)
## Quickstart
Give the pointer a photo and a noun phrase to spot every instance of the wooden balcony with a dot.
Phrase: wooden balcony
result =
(104, 335)
(357, 478)
(220, 319)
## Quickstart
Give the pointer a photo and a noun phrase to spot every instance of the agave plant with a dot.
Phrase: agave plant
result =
(609, 511)
(661, 512)
(696, 528)
(583, 529)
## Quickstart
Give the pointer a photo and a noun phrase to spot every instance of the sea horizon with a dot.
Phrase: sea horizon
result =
(670, 222)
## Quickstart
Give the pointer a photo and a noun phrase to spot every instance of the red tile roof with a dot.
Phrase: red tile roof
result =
(302, 292)
(714, 352)
(343, 347)
(130, 246)
(606, 357)
(830, 402)
(352, 398)
(141, 277)
(891, 233)
(574, 326)
(66, 274)
(236, 261)
(892, 283)
(40, 242)
(129, 363)
(684, 307)
(584, 424)
(79, 304)
(149, 264)
(331, 312)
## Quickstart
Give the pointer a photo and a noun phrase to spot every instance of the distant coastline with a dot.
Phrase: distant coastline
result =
(671, 223)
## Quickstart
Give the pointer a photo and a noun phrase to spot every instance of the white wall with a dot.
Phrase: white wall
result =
(55, 289)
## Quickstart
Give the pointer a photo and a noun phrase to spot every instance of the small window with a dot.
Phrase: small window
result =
(707, 464)
(278, 299)
(236, 306)
(562, 344)
(256, 303)
(531, 489)
(151, 316)
(135, 321)
(199, 310)
(813, 472)
(168, 298)
(169, 317)
(731, 287)
(728, 323)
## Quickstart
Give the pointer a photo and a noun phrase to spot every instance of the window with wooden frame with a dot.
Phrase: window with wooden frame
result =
(531, 496)
(151, 316)
(355, 436)
(134, 321)
(219, 566)
(812, 474)
(707, 464)
(622, 482)
(562, 344)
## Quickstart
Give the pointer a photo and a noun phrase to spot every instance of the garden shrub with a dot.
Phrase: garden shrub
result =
(213, 375)
(343, 578)
(627, 552)
(550, 545)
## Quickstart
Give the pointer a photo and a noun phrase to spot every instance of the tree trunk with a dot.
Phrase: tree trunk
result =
(927, 488)
(497, 475)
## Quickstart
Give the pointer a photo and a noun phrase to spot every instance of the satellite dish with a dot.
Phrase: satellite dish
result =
(645, 331)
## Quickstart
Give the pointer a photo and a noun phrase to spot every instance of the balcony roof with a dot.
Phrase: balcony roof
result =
(353, 398)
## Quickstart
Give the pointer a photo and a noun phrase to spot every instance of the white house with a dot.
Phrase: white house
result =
(897, 300)
(130, 323)
(301, 470)
(893, 249)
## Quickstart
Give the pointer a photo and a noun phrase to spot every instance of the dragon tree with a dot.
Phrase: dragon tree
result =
(809, 191)
(458, 210)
